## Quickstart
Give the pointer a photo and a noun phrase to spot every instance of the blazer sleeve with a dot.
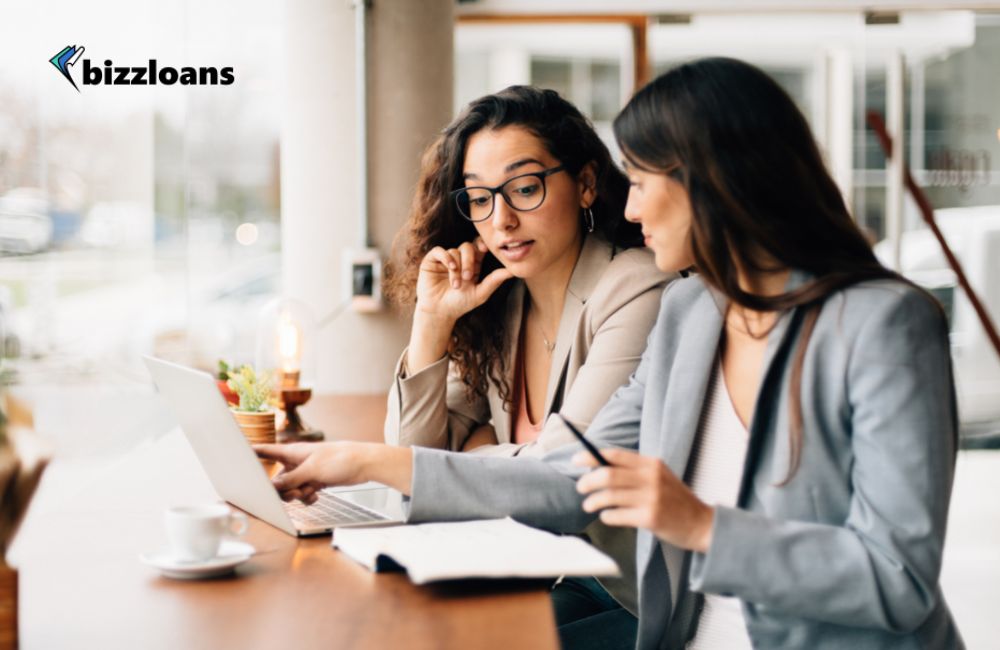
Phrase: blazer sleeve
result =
(430, 408)
(540, 491)
(880, 568)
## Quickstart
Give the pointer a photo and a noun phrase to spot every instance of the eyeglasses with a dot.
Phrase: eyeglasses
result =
(523, 193)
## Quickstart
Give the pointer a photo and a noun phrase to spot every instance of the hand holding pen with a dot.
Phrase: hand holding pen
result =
(641, 492)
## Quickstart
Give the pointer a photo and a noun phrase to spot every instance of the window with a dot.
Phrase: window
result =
(134, 219)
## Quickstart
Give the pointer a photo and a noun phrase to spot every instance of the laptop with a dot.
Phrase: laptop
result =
(237, 474)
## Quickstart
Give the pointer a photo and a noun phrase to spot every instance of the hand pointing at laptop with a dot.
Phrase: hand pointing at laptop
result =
(308, 467)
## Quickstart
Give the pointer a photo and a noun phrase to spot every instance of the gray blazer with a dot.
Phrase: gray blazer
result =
(611, 304)
(845, 555)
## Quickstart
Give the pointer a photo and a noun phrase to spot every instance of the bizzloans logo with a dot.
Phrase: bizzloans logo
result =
(151, 75)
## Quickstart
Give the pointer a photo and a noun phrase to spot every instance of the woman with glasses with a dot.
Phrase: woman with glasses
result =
(533, 296)
(786, 447)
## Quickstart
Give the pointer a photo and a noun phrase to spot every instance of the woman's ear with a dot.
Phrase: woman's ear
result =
(587, 183)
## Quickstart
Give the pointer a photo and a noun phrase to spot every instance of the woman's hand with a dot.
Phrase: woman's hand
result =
(308, 467)
(641, 492)
(447, 289)
(447, 284)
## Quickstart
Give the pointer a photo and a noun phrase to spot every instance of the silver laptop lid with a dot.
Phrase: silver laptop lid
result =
(227, 459)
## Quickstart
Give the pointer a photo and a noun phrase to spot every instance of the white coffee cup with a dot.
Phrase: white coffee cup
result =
(195, 532)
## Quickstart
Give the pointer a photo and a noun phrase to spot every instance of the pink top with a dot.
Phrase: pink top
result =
(524, 430)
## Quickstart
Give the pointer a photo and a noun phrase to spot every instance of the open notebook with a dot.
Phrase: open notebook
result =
(490, 548)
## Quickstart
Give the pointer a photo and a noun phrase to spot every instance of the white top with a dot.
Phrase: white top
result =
(715, 473)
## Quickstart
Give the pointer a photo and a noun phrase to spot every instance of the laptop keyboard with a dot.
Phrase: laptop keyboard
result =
(331, 511)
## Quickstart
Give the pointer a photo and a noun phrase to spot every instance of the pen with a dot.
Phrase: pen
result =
(586, 443)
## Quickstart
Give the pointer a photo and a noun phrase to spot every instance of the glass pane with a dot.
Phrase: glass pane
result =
(590, 65)
(552, 73)
(134, 219)
(950, 141)
(789, 47)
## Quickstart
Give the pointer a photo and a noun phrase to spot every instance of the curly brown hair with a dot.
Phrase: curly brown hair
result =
(479, 338)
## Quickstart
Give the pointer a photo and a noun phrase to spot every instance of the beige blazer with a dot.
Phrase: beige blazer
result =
(609, 310)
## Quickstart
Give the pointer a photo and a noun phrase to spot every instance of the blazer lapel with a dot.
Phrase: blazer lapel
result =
(656, 604)
(590, 265)
(779, 350)
(694, 360)
(692, 367)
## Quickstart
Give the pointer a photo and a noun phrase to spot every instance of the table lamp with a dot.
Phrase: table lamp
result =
(285, 345)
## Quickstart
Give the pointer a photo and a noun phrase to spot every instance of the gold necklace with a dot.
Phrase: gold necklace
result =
(550, 346)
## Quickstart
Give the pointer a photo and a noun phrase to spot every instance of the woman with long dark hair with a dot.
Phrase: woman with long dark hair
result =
(786, 446)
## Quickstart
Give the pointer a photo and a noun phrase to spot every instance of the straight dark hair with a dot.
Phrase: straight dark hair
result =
(758, 188)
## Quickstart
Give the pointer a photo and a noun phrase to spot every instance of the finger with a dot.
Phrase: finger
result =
(441, 256)
(593, 481)
(455, 268)
(273, 452)
(624, 517)
(584, 459)
(447, 261)
(467, 254)
(288, 495)
(614, 498)
(293, 479)
(491, 283)
(623, 457)
(304, 492)
(605, 478)
(442, 262)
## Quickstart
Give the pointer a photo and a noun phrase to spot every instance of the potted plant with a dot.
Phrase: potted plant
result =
(253, 412)
(222, 381)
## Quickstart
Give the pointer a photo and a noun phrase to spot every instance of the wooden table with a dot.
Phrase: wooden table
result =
(82, 585)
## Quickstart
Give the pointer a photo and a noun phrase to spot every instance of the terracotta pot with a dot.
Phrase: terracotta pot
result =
(258, 429)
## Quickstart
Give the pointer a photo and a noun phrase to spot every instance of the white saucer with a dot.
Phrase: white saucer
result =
(231, 555)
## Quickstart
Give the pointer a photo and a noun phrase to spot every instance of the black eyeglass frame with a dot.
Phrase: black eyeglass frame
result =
(542, 175)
